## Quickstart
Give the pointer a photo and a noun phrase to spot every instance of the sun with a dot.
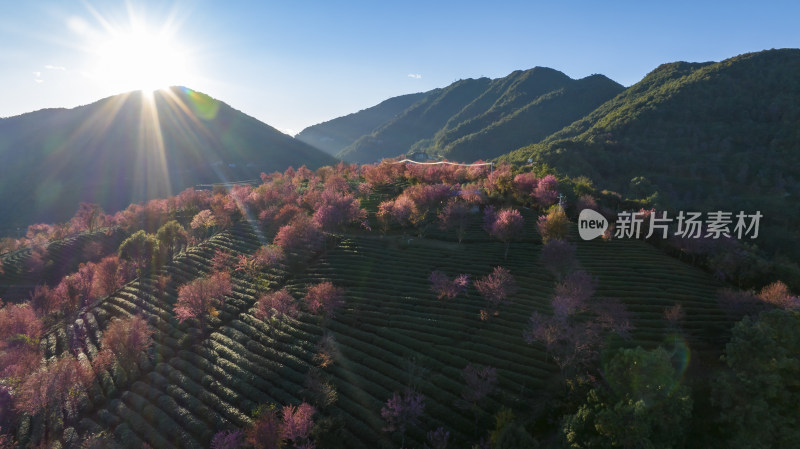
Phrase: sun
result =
(139, 57)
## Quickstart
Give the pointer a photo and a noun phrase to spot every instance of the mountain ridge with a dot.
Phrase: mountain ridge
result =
(482, 118)
(99, 152)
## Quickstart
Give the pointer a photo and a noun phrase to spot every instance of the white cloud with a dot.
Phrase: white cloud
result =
(38, 81)
(416, 76)
(55, 67)
(37, 74)
(38, 77)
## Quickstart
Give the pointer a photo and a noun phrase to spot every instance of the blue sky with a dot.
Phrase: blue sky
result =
(292, 64)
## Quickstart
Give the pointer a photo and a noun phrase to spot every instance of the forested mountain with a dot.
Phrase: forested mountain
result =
(704, 136)
(475, 118)
(334, 135)
(56, 158)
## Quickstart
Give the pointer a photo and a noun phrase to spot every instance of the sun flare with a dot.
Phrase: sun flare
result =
(138, 57)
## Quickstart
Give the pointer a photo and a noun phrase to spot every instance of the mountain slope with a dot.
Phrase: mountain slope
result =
(710, 136)
(480, 119)
(334, 135)
(420, 121)
(129, 148)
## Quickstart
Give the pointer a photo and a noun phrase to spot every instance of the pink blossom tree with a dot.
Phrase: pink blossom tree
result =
(455, 215)
(573, 335)
(558, 257)
(110, 274)
(546, 192)
(507, 225)
(297, 424)
(335, 209)
(75, 290)
(202, 297)
(88, 218)
(124, 341)
(300, 236)
(403, 411)
(20, 330)
(586, 202)
(53, 388)
(277, 303)
(496, 288)
(446, 288)
(203, 222)
(265, 432)
(269, 256)
(227, 439)
(777, 294)
(326, 297)
(525, 184)
(223, 260)
(437, 439)
(404, 211)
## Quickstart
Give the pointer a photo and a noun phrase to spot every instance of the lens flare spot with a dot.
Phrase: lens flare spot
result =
(203, 106)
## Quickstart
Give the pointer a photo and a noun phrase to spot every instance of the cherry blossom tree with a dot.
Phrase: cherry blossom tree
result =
(296, 425)
(53, 388)
(20, 330)
(203, 222)
(227, 439)
(586, 202)
(403, 411)
(404, 211)
(265, 432)
(223, 260)
(75, 291)
(455, 215)
(437, 439)
(326, 297)
(110, 274)
(558, 257)
(573, 335)
(202, 297)
(124, 341)
(525, 184)
(336, 209)
(300, 236)
(277, 303)
(507, 225)
(88, 217)
(546, 192)
(777, 294)
(496, 288)
(446, 288)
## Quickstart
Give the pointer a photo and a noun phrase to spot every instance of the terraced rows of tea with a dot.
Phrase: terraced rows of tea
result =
(647, 282)
(193, 384)
(62, 256)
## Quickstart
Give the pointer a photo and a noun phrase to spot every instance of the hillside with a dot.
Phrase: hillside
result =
(481, 119)
(706, 136)
(103, 153)
(388, 333)
(334, 135)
